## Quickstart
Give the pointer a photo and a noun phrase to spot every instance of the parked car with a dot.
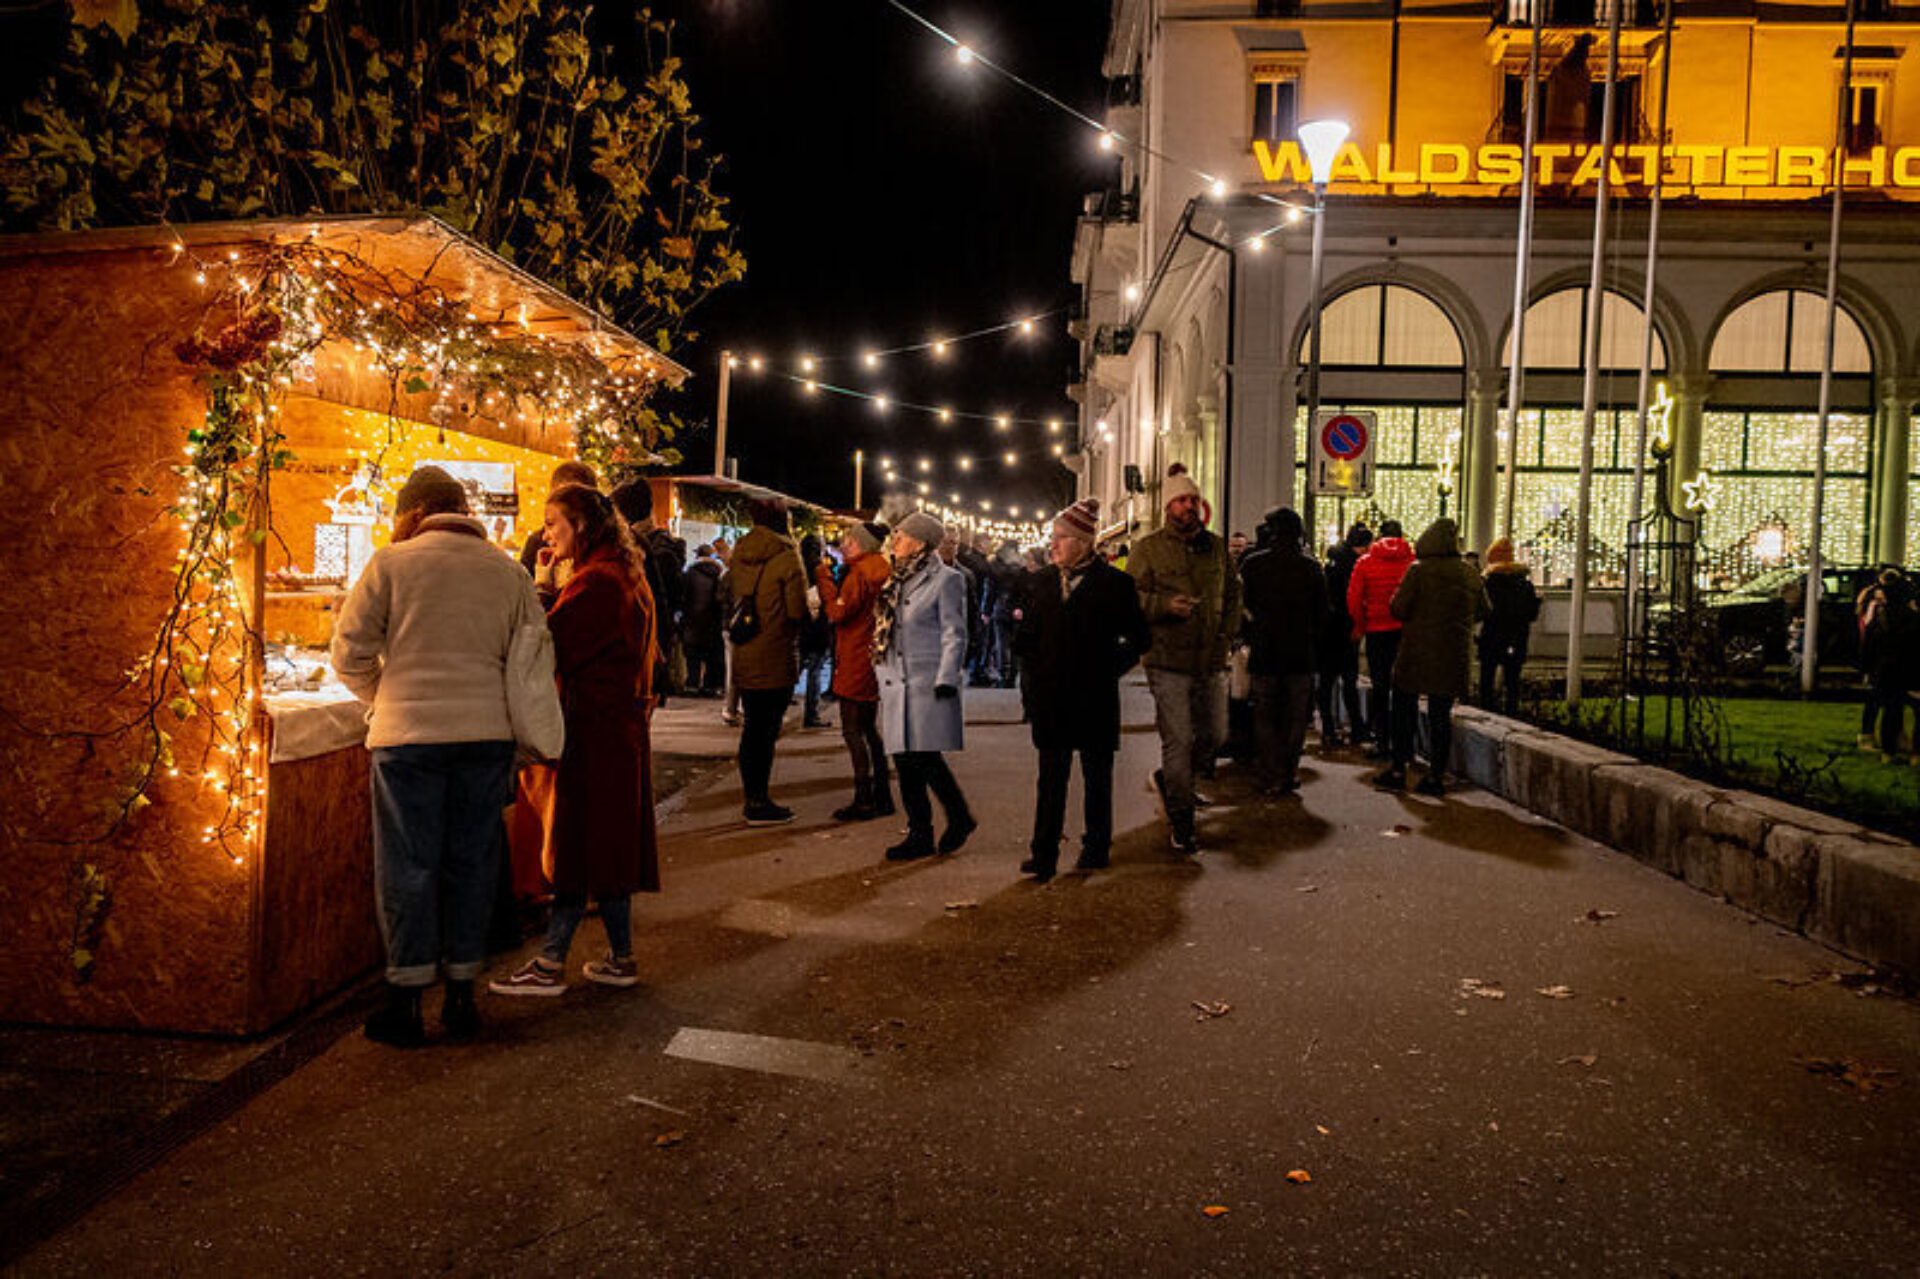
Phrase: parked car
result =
(1757, 624)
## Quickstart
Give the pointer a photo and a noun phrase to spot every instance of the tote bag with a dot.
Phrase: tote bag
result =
(533, 699)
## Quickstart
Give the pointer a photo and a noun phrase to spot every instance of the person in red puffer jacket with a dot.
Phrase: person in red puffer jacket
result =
(1369, 594)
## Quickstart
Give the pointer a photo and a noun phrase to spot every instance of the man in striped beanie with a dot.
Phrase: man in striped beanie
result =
(1082, 629)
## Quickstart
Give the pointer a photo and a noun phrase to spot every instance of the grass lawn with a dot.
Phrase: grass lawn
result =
(1855, 785)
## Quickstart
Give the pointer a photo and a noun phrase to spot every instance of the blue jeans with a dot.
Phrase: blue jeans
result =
(570, 908)
(1186, 711)
(436, 854)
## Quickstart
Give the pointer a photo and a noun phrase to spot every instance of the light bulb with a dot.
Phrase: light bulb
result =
(880, 403)
(1003, 422)
(1257, 243)
(925, 488)
(1106, 139)
(1053, 425)
(806, 364)
(946, 415)
(954, 498)
(1217, 187)
(966, 464)
(963, 55)
(1293, 213)
(871, 359)
(1013, 512)
(1007, 458)
(940, 349)
(810, 385)
(925, 465)
(1026, 328)
(1059, 450)
(1133, 293)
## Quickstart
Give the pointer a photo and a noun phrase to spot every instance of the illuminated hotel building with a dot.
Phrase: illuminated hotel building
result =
(1194, 343)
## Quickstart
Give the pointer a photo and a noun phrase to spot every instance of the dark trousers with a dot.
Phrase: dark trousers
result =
(1891, 699)
(763, 709)
(860, 727)
(1506, 659)
(706, 667)
(1406, 719)
(1050, 803)
(921, 771)
(1282, 705)
(1346, 681)
(1382, 648)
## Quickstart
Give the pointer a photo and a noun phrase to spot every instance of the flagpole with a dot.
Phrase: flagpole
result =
(1590, 378)
(1647, 334)
(1810, 630)
(1522, 265)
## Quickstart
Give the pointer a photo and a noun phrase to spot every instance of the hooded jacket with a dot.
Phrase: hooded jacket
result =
(1438, 603)
(767, 567)
(1287, 602)
(1514, 604)
(1375, 578)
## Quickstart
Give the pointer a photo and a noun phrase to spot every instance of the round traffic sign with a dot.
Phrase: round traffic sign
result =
(1344, 437)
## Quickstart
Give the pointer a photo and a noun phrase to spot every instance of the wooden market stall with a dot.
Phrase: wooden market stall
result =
(201, 431)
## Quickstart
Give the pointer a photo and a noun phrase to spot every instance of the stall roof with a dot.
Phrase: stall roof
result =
(719, 485)
(421, 247)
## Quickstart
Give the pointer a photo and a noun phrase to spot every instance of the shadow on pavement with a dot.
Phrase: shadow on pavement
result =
(1489, 830)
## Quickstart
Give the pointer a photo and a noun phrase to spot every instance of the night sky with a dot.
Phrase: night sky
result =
(883, 194)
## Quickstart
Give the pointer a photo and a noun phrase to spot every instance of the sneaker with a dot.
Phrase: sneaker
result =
(1867, 742)
(1042, 871)
(1392, 779)
(731, 721)
(613, 971)
(916, 845)
(532, 978)
(959, 830)
(858, 811)
(1432, 784)
(767, 814)
(1180, 837)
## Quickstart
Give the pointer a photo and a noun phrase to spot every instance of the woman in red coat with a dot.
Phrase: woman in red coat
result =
(849, 606)
(601, 841)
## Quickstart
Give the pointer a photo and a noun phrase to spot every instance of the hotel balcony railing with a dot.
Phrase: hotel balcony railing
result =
(1113, 204)
(1577, 13)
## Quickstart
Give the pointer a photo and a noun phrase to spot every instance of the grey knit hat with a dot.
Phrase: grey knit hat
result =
(867, 535)
(922, 527)
(433, 490)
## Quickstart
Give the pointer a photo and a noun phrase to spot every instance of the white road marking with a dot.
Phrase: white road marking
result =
(826, 1063)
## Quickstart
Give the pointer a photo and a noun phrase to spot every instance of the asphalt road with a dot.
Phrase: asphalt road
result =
(838, 1066)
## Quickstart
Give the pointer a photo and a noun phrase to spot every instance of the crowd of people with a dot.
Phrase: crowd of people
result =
(892, 624)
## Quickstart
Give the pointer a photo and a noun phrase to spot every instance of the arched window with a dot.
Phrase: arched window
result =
(1387, 325)
(1785, 332)
(1557, 332)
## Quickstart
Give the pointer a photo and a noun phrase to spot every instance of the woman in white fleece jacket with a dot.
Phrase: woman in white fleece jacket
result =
(424, 638)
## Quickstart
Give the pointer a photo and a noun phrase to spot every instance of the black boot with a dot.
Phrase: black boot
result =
(458, 1015)
(960, 826)
(882, 789)
(861, 809)
(917, 844)
(397, 1024)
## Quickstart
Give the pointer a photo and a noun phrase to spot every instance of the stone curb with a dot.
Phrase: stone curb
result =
(1855, 889)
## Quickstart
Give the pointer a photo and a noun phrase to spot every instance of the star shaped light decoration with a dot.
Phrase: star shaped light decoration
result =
(1662, 414)
(1702, 492)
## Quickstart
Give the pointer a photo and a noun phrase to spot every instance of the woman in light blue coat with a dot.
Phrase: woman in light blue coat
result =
(920, 655)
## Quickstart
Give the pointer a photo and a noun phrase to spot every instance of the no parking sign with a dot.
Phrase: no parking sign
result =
(1342, 453)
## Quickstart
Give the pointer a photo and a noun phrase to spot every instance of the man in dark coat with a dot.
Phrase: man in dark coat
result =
(1438, 603)
(1340, 653)
(1286, 597)
(700, 621)
(665, 559)
(1081, 629)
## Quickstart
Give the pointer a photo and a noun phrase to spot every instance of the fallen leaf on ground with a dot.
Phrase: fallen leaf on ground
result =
(666, 1139)
(1584, 1059)
(1597, 916)
(1555, 992)
(1396, 831)
(1119, 1065)
(1851, 1071)
(1323, 1130)
(966, 905)
(1299, 1176)
(1212, 1009)
(1480, 989)
(1308, 888)
(1216, 1210)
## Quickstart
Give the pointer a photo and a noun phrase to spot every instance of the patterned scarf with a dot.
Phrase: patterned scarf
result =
(889, 601)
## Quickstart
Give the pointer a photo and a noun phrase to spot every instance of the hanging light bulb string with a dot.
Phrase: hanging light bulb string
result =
(1217, 186)
(884, 402)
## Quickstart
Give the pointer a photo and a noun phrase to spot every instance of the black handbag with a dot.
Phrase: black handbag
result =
(743, 623)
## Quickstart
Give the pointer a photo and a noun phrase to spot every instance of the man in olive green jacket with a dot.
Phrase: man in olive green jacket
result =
(1191, 595)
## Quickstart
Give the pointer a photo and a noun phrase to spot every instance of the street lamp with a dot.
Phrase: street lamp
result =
(1321, 140)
